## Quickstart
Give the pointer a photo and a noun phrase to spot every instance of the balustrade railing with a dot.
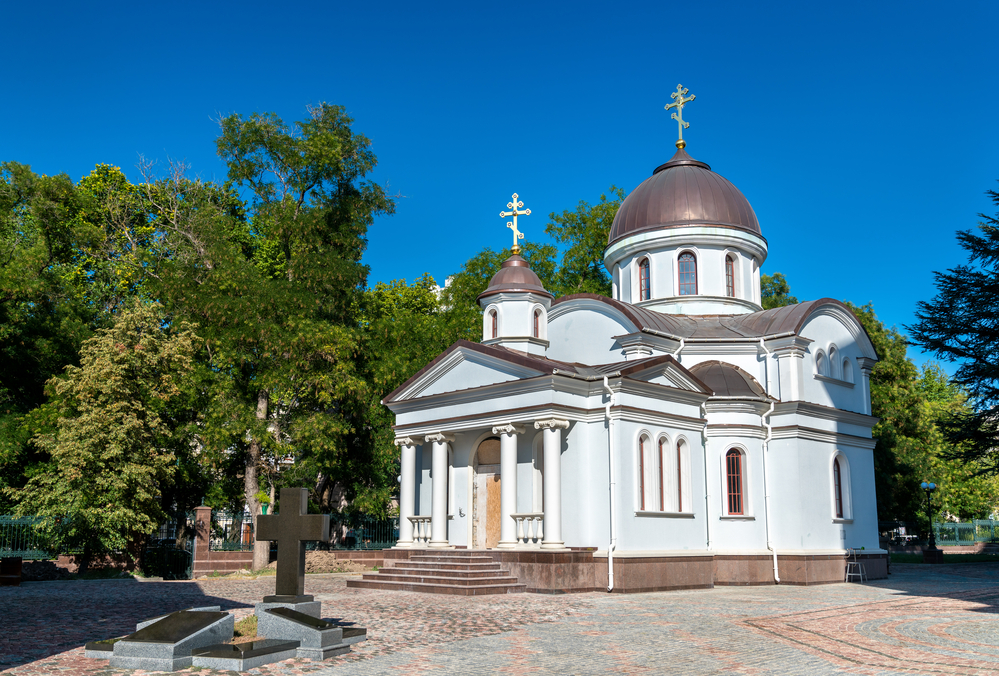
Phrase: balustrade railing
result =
(530, 528)
(421, 530)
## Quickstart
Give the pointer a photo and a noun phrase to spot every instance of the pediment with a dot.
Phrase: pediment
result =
(463, 368)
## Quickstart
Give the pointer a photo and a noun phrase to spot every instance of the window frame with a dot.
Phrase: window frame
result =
(681, 273)
(644, 279)
(738, 456)
(729, 276)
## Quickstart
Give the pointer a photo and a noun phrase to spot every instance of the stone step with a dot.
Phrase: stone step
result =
(460, 558)
(508, 588)
(442, 572)
(442, 579)
(440, 565)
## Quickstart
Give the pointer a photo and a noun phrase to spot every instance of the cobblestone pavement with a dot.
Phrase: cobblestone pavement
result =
(923, 620)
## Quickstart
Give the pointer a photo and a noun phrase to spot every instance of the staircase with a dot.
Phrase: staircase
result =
(445, 572)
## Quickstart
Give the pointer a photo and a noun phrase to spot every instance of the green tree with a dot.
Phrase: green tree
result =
(959, 326)
(775, 291)
(113, 432)
(584, 234)
(276, 291)
(42, 321)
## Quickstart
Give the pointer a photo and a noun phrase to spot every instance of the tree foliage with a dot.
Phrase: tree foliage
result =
(961, 325)
(113, 431)
(775, 291)
(911, 447)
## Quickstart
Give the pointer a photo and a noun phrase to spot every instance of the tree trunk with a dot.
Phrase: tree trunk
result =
(251, 486)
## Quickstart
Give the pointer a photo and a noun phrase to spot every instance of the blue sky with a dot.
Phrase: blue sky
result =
(863, 134)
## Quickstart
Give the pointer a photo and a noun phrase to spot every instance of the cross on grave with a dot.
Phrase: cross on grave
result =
(291, 528)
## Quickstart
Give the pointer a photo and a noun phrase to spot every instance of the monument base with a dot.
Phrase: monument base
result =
(303, 604)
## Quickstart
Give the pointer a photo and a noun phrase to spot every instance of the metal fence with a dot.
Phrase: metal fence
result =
(967, 532)
(22, 536)
(359, 531)
(231, 532)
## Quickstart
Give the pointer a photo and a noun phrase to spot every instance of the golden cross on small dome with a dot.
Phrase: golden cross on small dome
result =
(514, 207)
(678, 103)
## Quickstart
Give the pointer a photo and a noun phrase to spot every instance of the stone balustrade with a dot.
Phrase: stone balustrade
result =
(421, 530)
(530, 527)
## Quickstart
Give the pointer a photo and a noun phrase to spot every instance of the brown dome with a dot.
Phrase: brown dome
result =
(683, 192)
(515, 275)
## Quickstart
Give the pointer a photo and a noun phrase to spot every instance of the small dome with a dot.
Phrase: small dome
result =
(727, 380)
(515, 275)
(683, 192)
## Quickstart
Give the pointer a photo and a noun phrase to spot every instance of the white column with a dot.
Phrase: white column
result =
(866, 366)
(553, 481)
(438, 474)
(508, 484)
(407, 490)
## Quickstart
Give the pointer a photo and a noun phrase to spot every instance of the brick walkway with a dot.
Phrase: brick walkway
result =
(923, 620)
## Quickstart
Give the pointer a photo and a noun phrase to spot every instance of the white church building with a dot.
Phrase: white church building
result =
(673, 436)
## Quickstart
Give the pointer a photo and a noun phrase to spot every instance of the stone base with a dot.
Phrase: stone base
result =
(150, 663)
(98, 651)
(313, 608)
(320, 654)
(933, 555)
(195, 609)
(244, 656)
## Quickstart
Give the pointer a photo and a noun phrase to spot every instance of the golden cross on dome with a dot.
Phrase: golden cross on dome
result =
(678, 103)
(514, 207)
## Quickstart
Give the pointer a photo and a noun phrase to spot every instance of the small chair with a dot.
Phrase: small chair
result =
(854, 568)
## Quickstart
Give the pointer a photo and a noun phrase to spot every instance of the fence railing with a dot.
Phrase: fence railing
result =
(231, 532)
(966, 532)
(359, 531)
(22, 536)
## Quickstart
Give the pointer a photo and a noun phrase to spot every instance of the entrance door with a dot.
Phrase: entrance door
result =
(486, 495)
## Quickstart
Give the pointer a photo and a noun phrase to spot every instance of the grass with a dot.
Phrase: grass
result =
(948, 558)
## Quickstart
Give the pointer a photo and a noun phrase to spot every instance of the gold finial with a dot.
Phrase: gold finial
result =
(514, 206)
(678, 103)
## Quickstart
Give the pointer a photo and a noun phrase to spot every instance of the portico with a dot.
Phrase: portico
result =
(518, 529)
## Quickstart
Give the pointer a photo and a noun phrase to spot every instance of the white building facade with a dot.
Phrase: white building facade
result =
(677, 433)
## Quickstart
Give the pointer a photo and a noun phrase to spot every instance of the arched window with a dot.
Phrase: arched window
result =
(644, 280)
(494, 322)
(821, 366)
(733, 474)
(680, 465)
(834, 364)
(842, 500)
(729, 277)
(537, 323)
(648, 474)
(847, 371)
(838, 487)
(687, 274)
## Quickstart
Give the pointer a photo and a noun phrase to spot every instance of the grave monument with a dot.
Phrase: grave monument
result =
(289, 619)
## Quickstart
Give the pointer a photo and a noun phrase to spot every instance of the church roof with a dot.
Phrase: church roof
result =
(779, 321)
(728, 380)
(555, 367)
(515, 275)
(682, 192)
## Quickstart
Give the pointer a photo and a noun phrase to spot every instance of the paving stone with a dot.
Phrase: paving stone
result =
(922, 620)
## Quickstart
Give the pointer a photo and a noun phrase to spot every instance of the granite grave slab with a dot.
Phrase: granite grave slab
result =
(166, 644)
(319, 639)
(244, 656)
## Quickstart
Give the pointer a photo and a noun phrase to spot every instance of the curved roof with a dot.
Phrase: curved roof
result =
(515, 275)
(727, 380)
(779, 321)
(683, 192)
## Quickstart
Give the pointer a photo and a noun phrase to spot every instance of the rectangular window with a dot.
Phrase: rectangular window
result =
(733, 466)
(729, 277)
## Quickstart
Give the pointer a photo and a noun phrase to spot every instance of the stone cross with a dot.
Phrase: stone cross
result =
(514, 206)
(291, 528)
(678, 103)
